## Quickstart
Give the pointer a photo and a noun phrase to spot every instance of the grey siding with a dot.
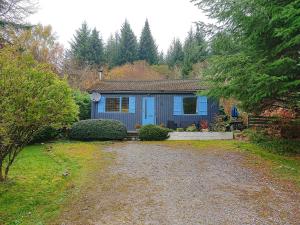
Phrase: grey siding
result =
(163, 110)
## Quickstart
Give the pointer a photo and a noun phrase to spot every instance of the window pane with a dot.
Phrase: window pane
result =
(125, 104)
(190, 105)
(112, 105)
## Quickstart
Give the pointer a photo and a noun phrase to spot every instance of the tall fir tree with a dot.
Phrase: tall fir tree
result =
(175, 54)
(128, 45)
(264, 72)
(80, 44)
(195, 50)
(96, 51)
(87, 47)
(112, 50)
(147, 46)
(161, 58)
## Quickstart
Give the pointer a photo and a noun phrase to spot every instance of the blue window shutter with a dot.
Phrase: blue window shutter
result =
(202, 105)
(132, 104)
(101, 105)
(177, 110)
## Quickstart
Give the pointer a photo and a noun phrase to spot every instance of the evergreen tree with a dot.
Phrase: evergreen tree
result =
(161, 58)
(175, 54)
(112, 50)
(87, 47)
(264, 73)
(128, 45)
(80, 46)
(147, 46)
(195, 50)
(223, 43)
(95, 47)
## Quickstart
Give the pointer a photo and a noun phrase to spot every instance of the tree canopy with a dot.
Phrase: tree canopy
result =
(195, 50)
(41, 42)
(112, 50)
(147, 46)
(31, 97)
(87, 46)
(175, 54)
(264, 72)
(128, 45)
(15, 11)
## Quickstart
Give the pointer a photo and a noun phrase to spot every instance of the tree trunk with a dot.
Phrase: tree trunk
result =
(6, 172)
(1, 173)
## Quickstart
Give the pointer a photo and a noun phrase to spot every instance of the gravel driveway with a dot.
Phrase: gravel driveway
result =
(153, 183)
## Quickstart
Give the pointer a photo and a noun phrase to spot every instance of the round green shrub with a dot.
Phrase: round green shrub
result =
(95, 129)
(153, 133)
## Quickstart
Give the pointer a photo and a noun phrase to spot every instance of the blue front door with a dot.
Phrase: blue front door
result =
(148, 111)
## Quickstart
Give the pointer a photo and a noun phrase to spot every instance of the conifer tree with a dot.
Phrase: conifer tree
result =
(195, 50)
(80, 44)
(147, 46)
(175, 54)
(95, 47)
(263, 73)
(161, 58)
(112, 50)
(128, 45)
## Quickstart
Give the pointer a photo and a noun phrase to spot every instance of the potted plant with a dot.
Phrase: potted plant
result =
(192, 128)
(204, 125)
(138, 127)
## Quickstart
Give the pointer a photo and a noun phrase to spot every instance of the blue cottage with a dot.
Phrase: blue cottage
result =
(173, 103)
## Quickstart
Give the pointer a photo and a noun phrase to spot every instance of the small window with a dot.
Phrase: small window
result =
(190, 105)
(112, 105)
(125, 104)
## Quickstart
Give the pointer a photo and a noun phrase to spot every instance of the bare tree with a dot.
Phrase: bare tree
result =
(15, 11)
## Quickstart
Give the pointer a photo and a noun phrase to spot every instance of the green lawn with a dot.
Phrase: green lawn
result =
(37, 188)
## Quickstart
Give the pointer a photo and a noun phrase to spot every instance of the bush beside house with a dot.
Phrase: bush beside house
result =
(83, 101)
(45, 134)
(153, 133)
(87, 130)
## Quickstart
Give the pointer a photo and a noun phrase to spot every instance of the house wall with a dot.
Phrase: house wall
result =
(163, 110)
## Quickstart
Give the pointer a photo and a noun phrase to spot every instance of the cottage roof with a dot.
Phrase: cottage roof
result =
(153, 86)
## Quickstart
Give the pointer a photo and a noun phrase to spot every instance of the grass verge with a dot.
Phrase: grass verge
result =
(44, 177)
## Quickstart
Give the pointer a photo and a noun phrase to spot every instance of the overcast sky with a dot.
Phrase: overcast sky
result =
(167, 18)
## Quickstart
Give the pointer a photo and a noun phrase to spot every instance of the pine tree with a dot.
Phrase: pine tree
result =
(147, 46)
(195, 50)
(128, 45)
(263, 73)
(161, 58)
(112, 50)
(96, 52)
(175, 54)
(80, 45)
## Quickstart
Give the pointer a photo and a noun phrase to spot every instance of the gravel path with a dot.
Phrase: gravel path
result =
(157, 184)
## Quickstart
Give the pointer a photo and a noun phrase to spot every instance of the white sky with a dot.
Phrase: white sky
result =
(167, 18)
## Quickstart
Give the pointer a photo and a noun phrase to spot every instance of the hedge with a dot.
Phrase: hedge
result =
(95, 129)
(45, 134)
(153, 133)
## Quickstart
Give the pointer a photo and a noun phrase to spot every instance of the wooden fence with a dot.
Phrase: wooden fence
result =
(261, 121)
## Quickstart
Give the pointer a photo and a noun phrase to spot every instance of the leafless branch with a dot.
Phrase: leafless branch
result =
(15, 11)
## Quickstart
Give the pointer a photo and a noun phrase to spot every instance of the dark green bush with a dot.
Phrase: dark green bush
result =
(45, 134)
(83, 101)
(87, 130)
(153, 133)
